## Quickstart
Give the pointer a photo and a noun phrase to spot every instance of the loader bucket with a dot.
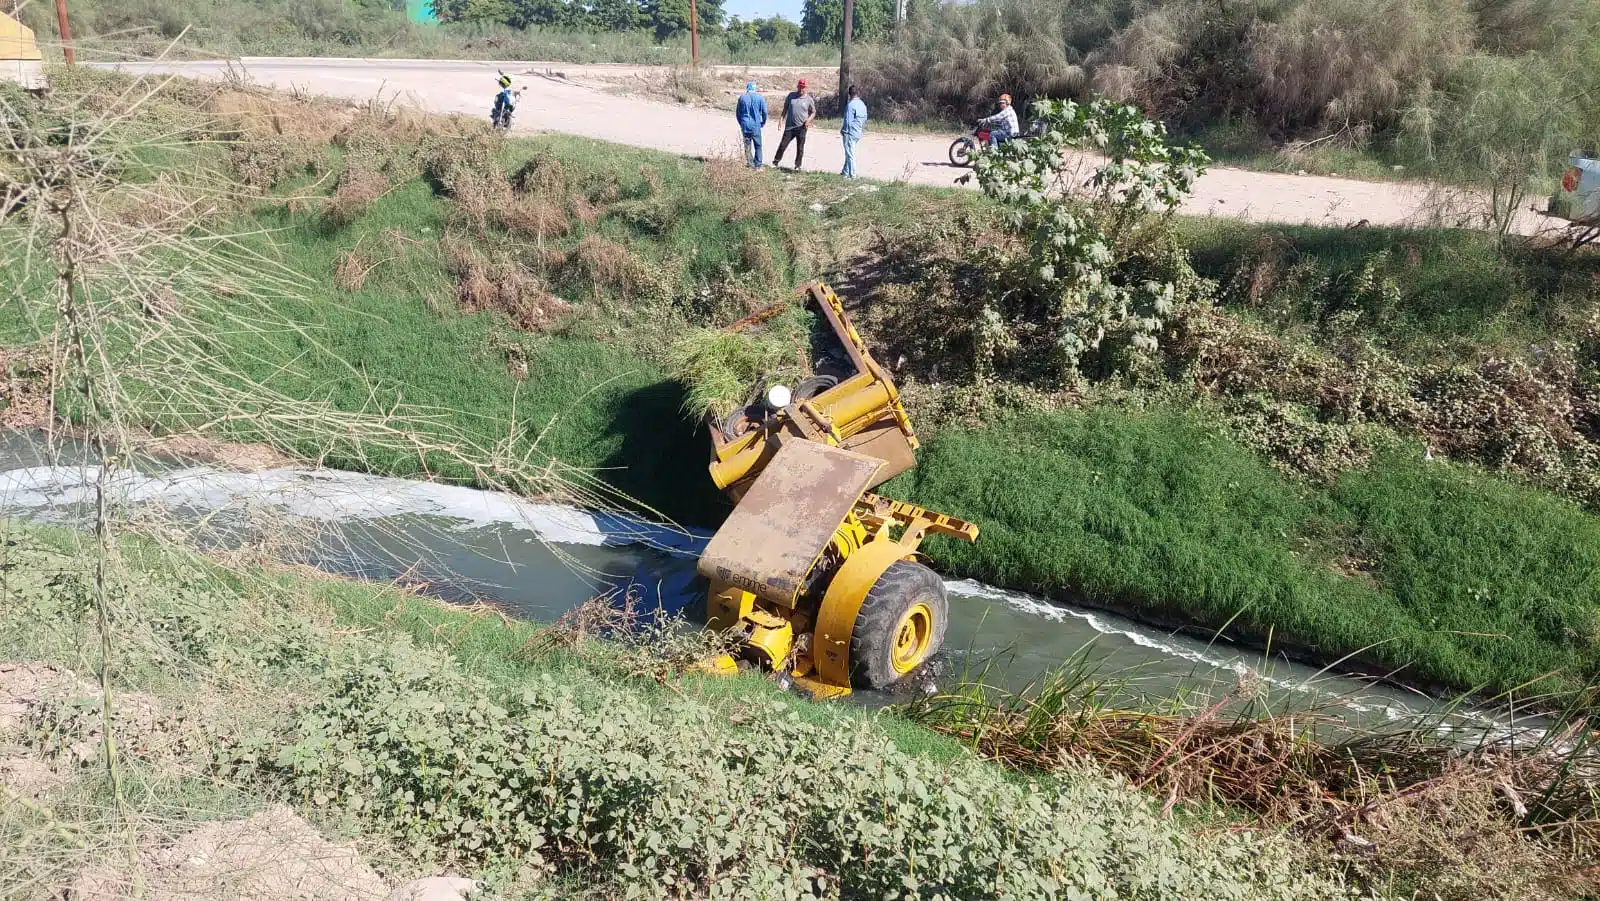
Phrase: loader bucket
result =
(786, 519)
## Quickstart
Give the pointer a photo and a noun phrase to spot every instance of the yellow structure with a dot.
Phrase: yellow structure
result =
(819, 576)
(20, 60)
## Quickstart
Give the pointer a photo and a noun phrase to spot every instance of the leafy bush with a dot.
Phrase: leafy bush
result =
(1085, 275)
(676, 801)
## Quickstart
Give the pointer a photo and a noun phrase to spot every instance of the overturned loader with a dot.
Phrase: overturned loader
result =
(819, 576)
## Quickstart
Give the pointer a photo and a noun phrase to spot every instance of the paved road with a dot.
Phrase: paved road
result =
(577, 104)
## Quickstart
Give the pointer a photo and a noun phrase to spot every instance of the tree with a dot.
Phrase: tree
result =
(740, 34)
(671, 17)
(822, 21)
(559, 13)
(776, 30)
(472, 10)
(617, 15)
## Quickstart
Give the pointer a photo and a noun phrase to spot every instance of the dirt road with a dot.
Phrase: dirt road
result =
(584, 100)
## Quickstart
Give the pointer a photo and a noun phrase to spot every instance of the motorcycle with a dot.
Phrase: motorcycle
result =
(500, 115)
(961, 148)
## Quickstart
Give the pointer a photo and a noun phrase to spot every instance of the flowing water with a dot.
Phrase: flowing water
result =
(539, 560)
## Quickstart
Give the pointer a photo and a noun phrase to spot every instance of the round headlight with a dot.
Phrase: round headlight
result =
(778, 396)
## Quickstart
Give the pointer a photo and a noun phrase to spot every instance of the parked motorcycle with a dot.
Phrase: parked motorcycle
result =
(961, 148)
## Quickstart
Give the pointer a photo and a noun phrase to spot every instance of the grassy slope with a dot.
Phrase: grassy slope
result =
(1450, 576)
(1473, 582)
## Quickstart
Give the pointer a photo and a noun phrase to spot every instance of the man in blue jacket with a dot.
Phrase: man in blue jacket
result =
(752, 114)
(855, 120)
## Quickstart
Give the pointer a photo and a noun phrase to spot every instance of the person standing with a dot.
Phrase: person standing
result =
(855, 121)
(798, 111)
(751, 111)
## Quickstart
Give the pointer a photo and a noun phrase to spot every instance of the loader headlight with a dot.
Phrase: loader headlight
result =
(778, 396)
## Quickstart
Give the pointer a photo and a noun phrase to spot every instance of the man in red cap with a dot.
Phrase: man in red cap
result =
(798, 111)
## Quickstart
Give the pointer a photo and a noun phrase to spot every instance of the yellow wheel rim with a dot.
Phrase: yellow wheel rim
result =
(913, 636)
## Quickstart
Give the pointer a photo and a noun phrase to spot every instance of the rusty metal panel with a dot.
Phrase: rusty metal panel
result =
(786, 518)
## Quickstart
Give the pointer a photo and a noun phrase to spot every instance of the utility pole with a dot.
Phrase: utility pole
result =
(844, 50)
(694, 36)
(66, 32)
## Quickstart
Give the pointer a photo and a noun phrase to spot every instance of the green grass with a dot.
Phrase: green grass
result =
(1474, 582)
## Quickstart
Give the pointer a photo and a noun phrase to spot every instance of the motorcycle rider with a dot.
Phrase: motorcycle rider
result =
(504, 102)
(1002, 125)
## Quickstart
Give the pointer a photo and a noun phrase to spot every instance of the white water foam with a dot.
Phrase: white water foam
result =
(335, 496)
(1462, 721)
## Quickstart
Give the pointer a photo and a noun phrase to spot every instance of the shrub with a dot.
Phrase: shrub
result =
(264, 162)
(485, 283)
(1091, 269)
(675, 801)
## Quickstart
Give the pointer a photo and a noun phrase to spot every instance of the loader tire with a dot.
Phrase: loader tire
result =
(901, 624)
(742, 421)
(811, 387)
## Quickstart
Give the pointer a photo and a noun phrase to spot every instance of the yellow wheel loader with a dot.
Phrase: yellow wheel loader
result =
(20, 60)
(819, 577)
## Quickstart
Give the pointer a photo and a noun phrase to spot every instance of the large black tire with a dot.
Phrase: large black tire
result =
(908, 596)
(742, 421)
(813, 386)
(961, 152)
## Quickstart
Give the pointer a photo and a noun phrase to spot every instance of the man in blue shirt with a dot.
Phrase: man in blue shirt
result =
(752, 114)
(855, 119)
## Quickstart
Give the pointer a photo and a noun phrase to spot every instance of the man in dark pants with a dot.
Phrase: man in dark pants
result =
(798, 111)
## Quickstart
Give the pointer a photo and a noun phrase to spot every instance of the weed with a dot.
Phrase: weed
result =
(265, 162)
(1396, 809)
(501, 285)
(535, 216)
(356, 192)
(352, 271)
(720, 369)
(689, 85)
(610, 267)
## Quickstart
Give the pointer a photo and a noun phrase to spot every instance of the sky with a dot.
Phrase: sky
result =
(760, 9)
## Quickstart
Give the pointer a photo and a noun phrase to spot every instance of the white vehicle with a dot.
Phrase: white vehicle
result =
(1579, 196)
